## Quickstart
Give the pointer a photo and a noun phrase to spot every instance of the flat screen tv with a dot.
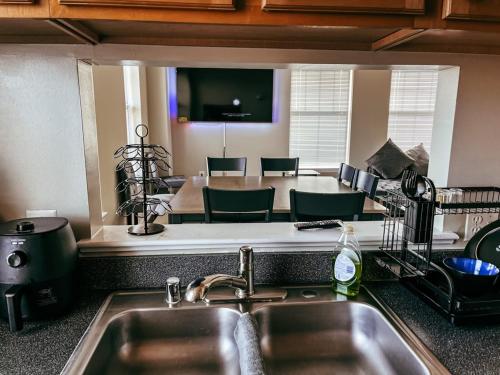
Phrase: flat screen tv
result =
(224, 95)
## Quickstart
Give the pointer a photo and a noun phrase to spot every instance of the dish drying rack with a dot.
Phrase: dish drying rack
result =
(141, 162)
(468, 200)
(407, 247)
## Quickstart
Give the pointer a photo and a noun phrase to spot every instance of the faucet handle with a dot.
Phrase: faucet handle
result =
(173, 291)
(246, 272)
(246, 258)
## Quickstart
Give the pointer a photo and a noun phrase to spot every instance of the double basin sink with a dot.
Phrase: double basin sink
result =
(312, 331)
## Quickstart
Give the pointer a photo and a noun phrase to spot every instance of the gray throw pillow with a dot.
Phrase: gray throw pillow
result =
(421, 158)
(389, 161)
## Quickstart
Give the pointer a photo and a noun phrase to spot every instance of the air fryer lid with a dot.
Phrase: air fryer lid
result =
(32, 226)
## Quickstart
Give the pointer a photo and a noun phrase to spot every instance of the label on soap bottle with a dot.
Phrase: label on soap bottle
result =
(344, 268)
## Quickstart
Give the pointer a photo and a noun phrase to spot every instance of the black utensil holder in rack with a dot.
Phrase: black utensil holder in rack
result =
(407, 249)
(418, 221)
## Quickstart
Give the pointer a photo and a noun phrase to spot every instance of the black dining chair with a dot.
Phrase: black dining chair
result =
(306, 206)
(366, 182)
(227, 165)
(238, 205)
(279, 165)
(346, 174)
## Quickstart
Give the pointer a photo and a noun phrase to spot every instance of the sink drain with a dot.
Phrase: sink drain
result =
(309, 294)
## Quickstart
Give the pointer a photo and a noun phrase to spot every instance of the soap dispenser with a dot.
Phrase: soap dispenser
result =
(347, 264)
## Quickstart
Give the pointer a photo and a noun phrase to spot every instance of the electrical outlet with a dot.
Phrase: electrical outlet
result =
(474, 222)
(41, 213)
(201, 173)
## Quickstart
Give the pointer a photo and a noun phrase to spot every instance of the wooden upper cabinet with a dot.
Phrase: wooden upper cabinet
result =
(347, 6)
(24, 9)
(476, 10)
(17, 2)
(179, 4)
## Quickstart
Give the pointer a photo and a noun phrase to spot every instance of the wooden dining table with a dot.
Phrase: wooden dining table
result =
(187, 204)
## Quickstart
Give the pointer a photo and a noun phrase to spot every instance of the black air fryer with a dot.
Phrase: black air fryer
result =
(38, 259)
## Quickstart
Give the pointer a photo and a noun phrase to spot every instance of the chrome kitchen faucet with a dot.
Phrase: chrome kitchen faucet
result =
(198, 289)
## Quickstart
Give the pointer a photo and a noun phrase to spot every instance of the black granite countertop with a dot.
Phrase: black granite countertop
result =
(467, 349)
(44, 347)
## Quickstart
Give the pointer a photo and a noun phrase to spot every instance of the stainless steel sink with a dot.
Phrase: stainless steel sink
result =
(350, 337)
(168, 342)
(313, 331)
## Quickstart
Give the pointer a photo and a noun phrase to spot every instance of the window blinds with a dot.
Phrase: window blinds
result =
(132, 86)
(319, 116)
(411, 109)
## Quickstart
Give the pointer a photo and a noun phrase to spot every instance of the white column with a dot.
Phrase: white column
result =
(371, 91)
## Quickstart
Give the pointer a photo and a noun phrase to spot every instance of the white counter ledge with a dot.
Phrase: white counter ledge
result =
(113, 240)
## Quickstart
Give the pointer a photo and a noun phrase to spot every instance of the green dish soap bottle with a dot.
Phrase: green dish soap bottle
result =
(347, 265)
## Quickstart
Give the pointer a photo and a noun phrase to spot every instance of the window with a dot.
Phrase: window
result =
(131, 80)
(411, 109)
(319, 116)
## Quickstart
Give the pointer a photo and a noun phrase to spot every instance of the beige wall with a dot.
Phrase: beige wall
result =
(41, 138)
(368, 131)
(40, 113)
(442, 131)
(371, 91)
(193, 142)
(157, 107)
(111, 132)
(111, 122)
(475, 152)
(87, 103)
(143, 96)
(369, 121)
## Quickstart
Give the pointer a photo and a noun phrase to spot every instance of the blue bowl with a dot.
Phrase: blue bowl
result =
(472, 276)
(471, 266)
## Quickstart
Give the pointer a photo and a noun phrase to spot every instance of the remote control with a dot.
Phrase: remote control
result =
(323, 224)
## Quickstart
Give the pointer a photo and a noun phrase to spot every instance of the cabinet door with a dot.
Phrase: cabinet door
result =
(24, 9)
(347, 6)
(477, 10)
(180, 4)
(17, 2)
